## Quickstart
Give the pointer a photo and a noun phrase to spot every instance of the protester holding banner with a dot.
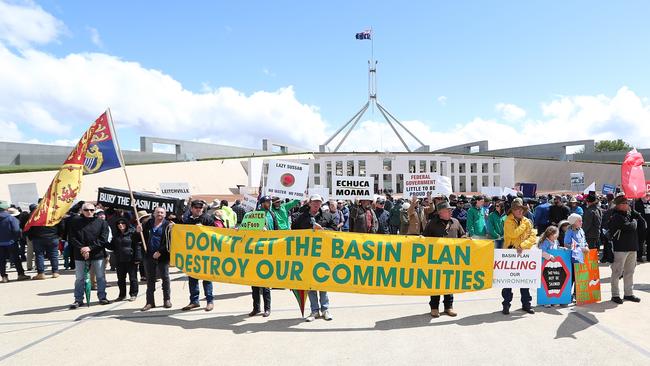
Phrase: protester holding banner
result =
(623, 226)
(89, 237)
(393, 217)
(442, 225)
(128, 254)
(383, 224)
(476, 218)
(156, 258)
(196, 216)
(518, 234)
(271, 224)
(281, 211)
(496, 219)
(311, 218)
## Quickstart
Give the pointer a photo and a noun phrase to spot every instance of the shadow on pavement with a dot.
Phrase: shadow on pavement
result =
(582, 318)
(424, 320)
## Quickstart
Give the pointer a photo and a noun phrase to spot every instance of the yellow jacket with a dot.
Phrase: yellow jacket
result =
(518, 235)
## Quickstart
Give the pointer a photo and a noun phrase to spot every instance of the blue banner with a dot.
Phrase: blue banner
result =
(608, 188)
(101, 154)
(556, 279)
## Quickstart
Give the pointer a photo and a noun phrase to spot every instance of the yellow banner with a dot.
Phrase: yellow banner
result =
(333, 261)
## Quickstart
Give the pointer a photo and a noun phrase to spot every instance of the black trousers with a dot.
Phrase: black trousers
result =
(130, 268)
(448, 301)
(161, 269)
(266, 294)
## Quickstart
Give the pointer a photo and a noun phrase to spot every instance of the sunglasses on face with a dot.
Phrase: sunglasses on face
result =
(89, 209)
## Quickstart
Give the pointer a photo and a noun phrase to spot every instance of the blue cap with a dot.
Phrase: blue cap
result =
(265, 199)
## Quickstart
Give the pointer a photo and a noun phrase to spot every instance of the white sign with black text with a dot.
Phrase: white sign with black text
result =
(351, 188)
(287, 179)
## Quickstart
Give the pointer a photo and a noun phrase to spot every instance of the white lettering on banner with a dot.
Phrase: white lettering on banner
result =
(286, 179)
(515, 270)
(351, 188)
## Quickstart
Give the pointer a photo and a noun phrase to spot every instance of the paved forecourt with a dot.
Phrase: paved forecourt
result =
(37, 329)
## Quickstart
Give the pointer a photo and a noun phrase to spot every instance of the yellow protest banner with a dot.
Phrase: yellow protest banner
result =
(333, 261)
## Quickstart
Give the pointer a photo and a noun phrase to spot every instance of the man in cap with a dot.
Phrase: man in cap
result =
(518, 234)
(281, 211)
(623, 226)
(271, 224)
(9, 236)
(442, 225)
(383, 225)
(196, 216)
(311, 217)
(592, 220)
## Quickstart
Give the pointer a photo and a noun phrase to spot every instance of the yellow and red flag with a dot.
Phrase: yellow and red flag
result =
(67, 183)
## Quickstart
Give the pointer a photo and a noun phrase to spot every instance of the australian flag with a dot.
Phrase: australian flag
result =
(102, 150)
(367, 34)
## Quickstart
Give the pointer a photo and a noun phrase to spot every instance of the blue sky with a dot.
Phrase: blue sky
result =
(441, 64)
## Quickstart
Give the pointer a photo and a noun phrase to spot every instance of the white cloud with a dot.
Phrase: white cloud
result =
(10, 131)
(442, 100)
(25, 23)
(510, 112)
(95, 38)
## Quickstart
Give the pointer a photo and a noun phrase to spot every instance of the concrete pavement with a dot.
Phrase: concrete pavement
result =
(37, 328)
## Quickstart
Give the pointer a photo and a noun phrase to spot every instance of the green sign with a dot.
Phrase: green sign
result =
(255, 220)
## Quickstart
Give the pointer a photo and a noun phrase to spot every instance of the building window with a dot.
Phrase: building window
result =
(461, 168)
(443, 168)
(399, 182)
(423, 166)
(485, 181)
(495, 168)
(462, 184)
(433, 168)
(484, 168)
(339, 168)
(453, 167)
(453, 184)
(472, 183)
(316, 180)
(497, 181)
(317, 168)
(472, 168)
(388, 165)
(388, 183)
(362, 168)
(350, 169)
(376, 179)
(411, 166)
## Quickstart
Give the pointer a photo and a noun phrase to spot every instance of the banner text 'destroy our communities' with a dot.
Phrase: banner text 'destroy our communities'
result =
(333, 261)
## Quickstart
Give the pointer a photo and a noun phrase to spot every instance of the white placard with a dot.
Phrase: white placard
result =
(491, 191)
(323, 191)
(287, 179)
(419, 184)
(249, 203)
(351, 188)
(509, 191)
(23, 193)
(178, 190)
(512, 270)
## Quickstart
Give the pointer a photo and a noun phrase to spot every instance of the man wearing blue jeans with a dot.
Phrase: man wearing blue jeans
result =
(88, 237)
(46, 241)
(196, 216)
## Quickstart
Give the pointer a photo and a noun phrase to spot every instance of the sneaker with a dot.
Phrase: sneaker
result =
(104, 302)
(313, 316)
(40, 276)
(617, 300)
(631, 298)
(23, 277)
(55, 275)
(76, 304)
(327, 315)
(5, 279)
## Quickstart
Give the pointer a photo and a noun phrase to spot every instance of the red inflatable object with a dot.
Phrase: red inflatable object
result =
(632, 177)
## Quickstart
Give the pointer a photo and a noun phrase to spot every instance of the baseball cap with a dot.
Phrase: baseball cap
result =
(265, 199)
(315, 197)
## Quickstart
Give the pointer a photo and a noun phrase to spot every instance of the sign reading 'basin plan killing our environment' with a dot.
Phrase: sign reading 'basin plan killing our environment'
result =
(286, 179)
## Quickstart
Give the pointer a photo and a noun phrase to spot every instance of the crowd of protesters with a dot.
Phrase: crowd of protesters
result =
(92, 237)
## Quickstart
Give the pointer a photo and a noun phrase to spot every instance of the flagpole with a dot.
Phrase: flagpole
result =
(128, 183)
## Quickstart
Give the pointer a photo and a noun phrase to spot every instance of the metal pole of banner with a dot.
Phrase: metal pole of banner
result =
(128, 183)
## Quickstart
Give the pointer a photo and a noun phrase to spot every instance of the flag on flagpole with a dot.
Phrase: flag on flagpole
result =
(94, 152)
(366, 34)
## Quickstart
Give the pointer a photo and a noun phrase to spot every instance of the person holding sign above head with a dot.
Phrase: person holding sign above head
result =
(156, 258)
(442, 225)
(518, 234)
(271, 224)
(281, 211)
(417, 214)
(196, 216)
(312, 218)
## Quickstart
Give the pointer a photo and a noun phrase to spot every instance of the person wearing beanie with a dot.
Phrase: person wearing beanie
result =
(623, 228)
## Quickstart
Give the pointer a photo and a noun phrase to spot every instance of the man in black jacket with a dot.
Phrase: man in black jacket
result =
(443, 225)
(196, 216)
(127, 253)
(623, 228)
(156, 258)
(642, 206)
(383, 225)
(592, 220)
(88, 237)
(558, 212)
(45, 240)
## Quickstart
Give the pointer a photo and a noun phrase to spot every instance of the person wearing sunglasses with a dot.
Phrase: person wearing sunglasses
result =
(88, 237)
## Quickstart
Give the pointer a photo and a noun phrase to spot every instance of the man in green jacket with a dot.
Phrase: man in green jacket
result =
(281, 211)
(476, 218)
(496, 220)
